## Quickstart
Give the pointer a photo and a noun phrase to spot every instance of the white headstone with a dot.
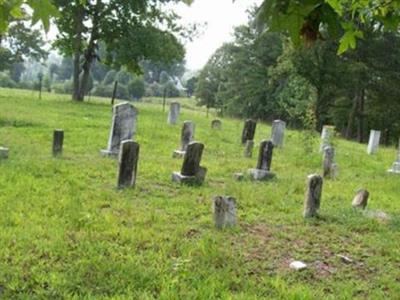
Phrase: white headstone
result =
(173, 115)
(123, 127)
(278, 131)
(396, 165)
(373, 143)
(327, 133)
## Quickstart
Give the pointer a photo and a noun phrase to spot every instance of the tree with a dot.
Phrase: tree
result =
(17, 45)
(130, 30)
(191, 85)
(310, 20)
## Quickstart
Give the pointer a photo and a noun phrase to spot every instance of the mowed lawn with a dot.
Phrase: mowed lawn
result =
(66, 232)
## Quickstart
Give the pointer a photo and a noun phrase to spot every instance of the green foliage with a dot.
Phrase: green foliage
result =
(310, 20)
(136, 87)
(6, 81)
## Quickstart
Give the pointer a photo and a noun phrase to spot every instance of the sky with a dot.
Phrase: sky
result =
(220, 16)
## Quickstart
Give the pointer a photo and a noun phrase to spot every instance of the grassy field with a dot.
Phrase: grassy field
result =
(66, 232)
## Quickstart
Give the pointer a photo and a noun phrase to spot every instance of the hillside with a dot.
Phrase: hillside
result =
(66, 232)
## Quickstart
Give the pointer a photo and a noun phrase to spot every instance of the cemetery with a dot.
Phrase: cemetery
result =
(74, 220)
(199, 149)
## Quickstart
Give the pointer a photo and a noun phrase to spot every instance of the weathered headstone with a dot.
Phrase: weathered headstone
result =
(191, 172)
(248, 149)
(187, 136)
(224, 209)
(123, 127)
(328, 132)
(361, 199)
(249, 130)
(396, 165)
(4, 153)
(262, 171)
(329, 165)
(312, 199)
(216, 124)
(373, 143)
(58, 140)
(278, 132)
(128, 161)
(174, 111)
(238, 176)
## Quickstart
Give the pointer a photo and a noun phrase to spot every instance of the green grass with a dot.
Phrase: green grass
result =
(66, 232)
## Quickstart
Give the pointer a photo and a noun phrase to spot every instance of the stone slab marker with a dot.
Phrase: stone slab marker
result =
(396, 165)
(58, 140)
(248, 149)
(191, 172)
(174, 111)
(187, 136)
(373, 144)
(224, 209)
(4, 153)
(262, 171)
(361, 199)
(327, 133)
(249, 130)
(123, 127)
(329, 165)
(312, 198)
(216, 124)
(128, 161)
(278, 132)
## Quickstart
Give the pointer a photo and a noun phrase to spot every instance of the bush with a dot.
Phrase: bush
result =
(62, 87)
(136, 88)
(6, 81)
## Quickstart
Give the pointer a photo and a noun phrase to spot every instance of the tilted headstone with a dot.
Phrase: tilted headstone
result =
(58, 140)
(361, 199)
(174, 111)
(396, 165)
(312, 199)
(329, 165)
(373, 143)
(262, 171)
(224, 209)
(248, 149)
(216, 124)
(278, 132)
(249, 130)
(187, 136)
(191, 171)
(128, 161)
(123, 127)
(4, 153)
(327, 134)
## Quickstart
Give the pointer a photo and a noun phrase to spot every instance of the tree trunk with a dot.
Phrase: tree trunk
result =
(360, 116)
(77, 52)
(352, 117)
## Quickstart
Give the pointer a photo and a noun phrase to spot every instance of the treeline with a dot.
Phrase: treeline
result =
(262, 75)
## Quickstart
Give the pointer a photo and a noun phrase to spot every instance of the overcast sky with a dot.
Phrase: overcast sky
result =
(220, 16)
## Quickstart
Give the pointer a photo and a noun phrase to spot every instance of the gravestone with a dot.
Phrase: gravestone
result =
(248, 149)
(216, 124)
(4, 153)
(329, 166)
(191, 172)
(328, 132)
(187, 136)
(373, 143)
(396, 165)
(262, 171)
(128, 161)
(224, 209)
(361, 199)
(312, 199)
(58, 140)
(249, 130)
(278, 132)
(174, 111)
(123, 127)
